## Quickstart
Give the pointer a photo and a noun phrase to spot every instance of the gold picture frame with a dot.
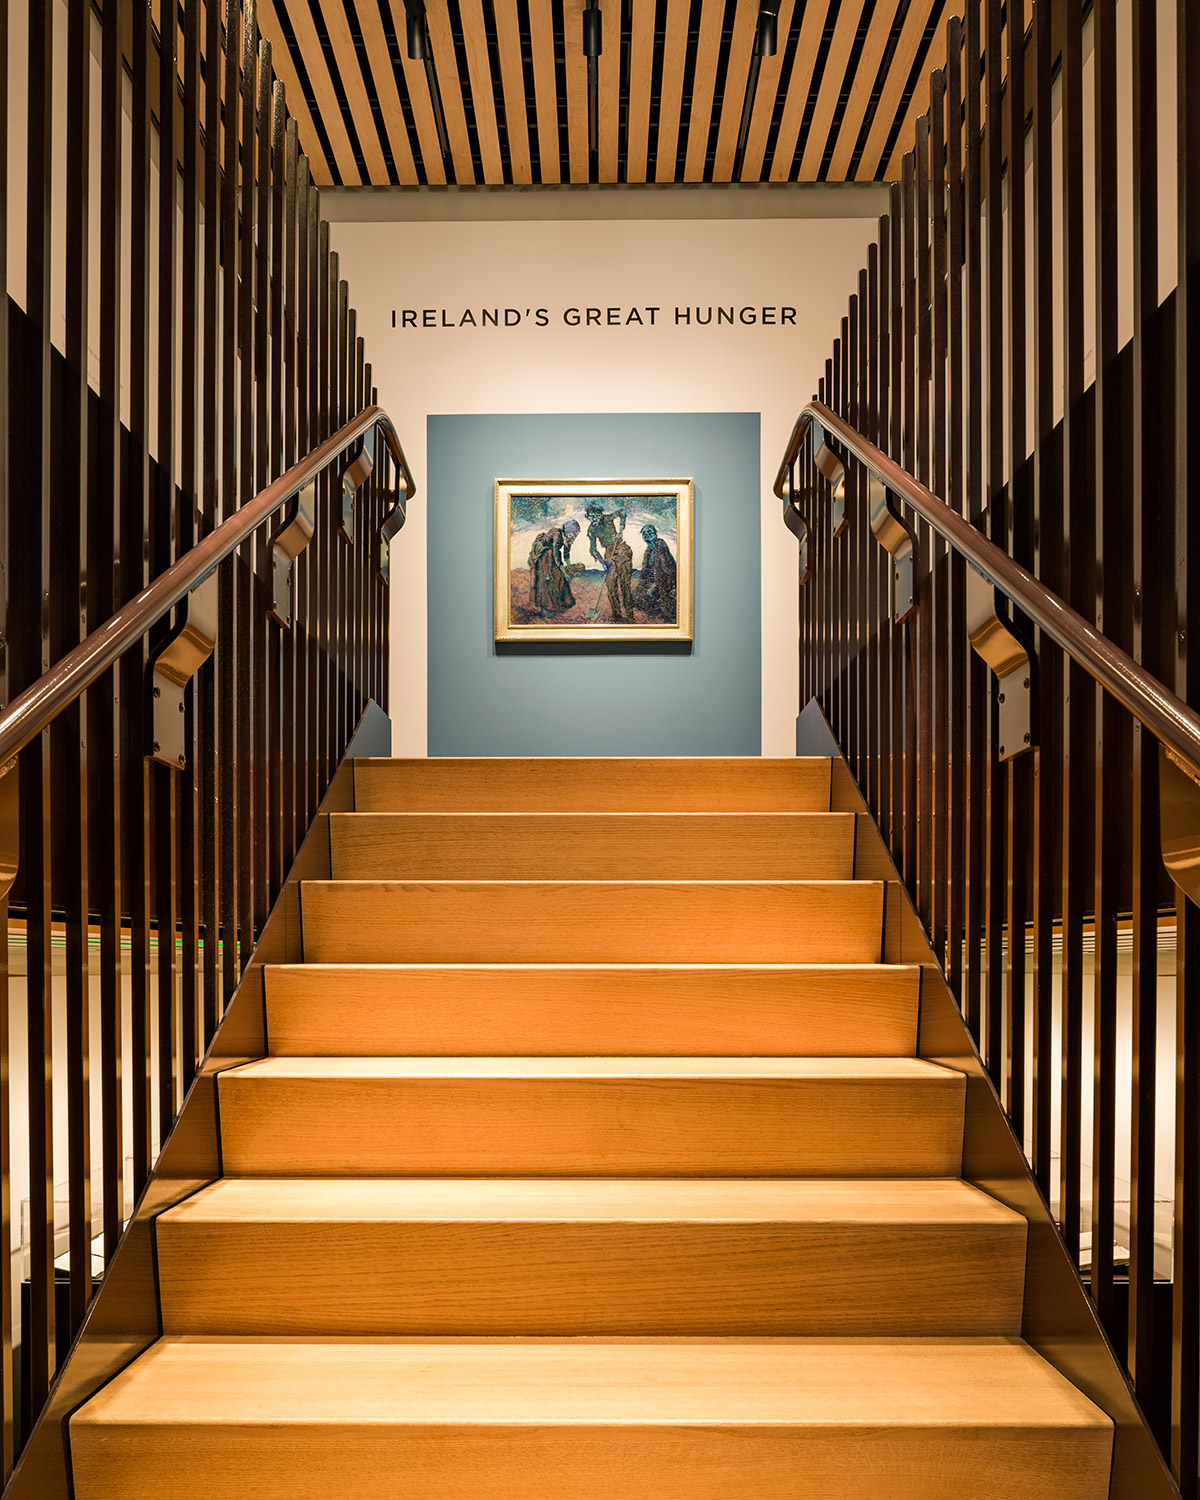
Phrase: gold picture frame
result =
(593, 559)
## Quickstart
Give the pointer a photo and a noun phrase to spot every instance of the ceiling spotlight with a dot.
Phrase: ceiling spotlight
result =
(419, 50)
(764, 46)
(592, 47)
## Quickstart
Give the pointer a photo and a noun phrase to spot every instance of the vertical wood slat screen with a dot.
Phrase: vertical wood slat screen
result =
(188, 370)
(1072, 440)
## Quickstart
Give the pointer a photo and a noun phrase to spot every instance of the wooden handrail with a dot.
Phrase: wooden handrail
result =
(1154, 705)
(22, 720)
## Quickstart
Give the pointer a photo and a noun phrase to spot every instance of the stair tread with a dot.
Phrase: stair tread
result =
(749, 783)
(860, 1068)
(799, 969)
(853, 1383)
(887, 1201)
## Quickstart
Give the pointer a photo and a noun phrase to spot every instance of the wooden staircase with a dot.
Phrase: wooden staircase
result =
(592, 1160)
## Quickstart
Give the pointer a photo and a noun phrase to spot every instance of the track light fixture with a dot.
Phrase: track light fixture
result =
(765, 46)
(419, 50)
(592, 47)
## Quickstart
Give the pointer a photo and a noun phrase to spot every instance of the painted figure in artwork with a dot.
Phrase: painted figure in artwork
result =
(606, 540)
(655, 594)
(549, 559)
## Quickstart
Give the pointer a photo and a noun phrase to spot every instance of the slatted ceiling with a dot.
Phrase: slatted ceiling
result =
(545, 89)
(641, 72)
(450, 85)
(512, 78)
(745, 24)
(479, 69)
(766, 99)
(327, 49)
(343, 167)
(670, 93)
(891, 97)
(837, 60)
(577, 103)
(934, 60)
(353, 88)
(415, 82)
(811, 29)
(384, 77)
(610, 114)
(704, 83)
(866, 71)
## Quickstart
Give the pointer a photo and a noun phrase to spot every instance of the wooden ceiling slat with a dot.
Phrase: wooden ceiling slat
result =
(670, 93)
(765, 99)
(418, 98)
(450, 86)
(836, 62)
(745, 30)
(641, 72)
(346, 57)
(610, 96)
(379, 59)
(545, 89)
(799, 84)
(479, 70)
(892, 91)
(708, 55)
(935, 59)
(324, 97)
(285, 68)
(866, 70)
(577, 122)
(512, 78)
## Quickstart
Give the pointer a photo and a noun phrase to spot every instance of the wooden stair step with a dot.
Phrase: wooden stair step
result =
(568, 846)
(623, 1009)
(785, 1419)
(591, 1256)
(603, 1116)
(463, 921)
(494, 784)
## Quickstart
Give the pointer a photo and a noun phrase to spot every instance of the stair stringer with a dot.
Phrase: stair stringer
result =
(123, 1320)
(1059, 1318)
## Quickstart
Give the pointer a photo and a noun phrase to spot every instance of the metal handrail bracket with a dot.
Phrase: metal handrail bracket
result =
(793, 519)
(896, 537)
(834, 470)
(286, 546)
(188, 647)
(356, 474)
(994, 640)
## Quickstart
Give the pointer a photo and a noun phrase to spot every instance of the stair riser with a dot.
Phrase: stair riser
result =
(390, 846)
(569, 1278)
(592, 786)
(374, 1012)
(579, 1127)
(536, 922)
(510, 1462)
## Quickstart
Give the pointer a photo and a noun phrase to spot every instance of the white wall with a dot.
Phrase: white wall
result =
(810, 265)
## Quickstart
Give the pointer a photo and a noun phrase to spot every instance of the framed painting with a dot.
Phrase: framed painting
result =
(594, 559)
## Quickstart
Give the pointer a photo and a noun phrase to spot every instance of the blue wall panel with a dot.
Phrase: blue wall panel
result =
(618, 699)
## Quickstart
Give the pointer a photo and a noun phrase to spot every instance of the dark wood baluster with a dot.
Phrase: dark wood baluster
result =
(936, 566)
(978, 478)
(1147, 619)
(1078, 751)
(72, 806)
(32, 414)
(163, 785)
(958, 477)
(135, 552)
(105, 574)
(1185, 1408)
